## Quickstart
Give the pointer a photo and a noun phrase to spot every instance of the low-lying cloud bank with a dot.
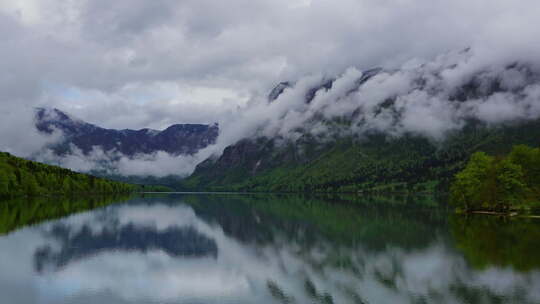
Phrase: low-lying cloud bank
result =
(18, 134)
(428, 98)
(158, 164)
(20, 137)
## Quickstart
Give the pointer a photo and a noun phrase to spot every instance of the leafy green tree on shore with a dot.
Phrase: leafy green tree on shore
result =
(529, 160)
(468, 189)
(509, 187)
(498, 183)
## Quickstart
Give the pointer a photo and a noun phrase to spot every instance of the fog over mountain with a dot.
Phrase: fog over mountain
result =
(88, 147)
(428, 98)
(151, 64)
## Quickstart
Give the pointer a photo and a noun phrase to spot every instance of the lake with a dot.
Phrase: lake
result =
(246, 248)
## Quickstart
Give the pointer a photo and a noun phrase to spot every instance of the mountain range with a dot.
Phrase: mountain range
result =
(352, 153)
(178, 139)
(379, 160)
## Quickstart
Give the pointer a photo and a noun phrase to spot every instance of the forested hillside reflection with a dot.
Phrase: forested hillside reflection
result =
(194, 248)
(24, 211)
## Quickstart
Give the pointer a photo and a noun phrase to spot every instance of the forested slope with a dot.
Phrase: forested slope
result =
(20, 177)
(373, 163)
(410, 129)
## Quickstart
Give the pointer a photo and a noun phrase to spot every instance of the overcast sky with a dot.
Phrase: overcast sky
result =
(152, 63)
(141, 63)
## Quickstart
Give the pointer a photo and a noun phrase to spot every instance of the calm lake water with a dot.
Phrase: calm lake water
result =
(226, 248)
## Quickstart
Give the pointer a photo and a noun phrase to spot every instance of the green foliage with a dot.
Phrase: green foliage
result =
(498, 184)
(169, 182)
(4, 182)
(509, 186)
(155, 188)
(468, 187)
(529, 160)
(375, 163)
(20, 177)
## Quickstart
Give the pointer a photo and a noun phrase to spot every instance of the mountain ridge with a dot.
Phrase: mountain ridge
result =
(177, 139)
(354, 153)
(408, 163)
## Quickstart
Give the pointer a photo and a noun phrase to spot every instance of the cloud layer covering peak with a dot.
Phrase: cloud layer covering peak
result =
(149, 64)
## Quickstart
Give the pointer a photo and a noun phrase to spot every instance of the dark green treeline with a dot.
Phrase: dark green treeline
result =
(20, 177)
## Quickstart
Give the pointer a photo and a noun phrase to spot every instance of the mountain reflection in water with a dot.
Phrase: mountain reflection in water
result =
(195, 248)
(174, 241)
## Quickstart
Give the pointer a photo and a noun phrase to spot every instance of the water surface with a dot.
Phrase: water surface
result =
(211, 248)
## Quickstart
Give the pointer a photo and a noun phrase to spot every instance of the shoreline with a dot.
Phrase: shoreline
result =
(505, 214)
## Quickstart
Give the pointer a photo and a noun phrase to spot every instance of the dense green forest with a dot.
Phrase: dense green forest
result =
(20, 177)
(501, 184)
(154, 188)
(373, 163)
(148, 183)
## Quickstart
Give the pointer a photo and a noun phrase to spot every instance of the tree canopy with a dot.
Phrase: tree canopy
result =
(19, 177)
(502, 183)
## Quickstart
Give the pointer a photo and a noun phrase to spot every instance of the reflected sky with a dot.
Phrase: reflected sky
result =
(220, 249)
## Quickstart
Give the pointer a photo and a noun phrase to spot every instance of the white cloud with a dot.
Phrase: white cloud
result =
(158, 164)
(18, 134)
